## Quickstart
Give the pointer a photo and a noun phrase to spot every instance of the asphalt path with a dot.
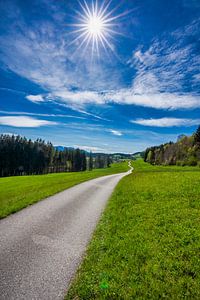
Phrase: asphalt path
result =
(42, 245)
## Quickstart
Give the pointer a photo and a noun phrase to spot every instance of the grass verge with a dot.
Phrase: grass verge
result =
(21, 191)
(147, 244)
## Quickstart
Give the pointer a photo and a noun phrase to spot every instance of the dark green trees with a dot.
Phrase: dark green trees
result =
(197, 137)
(102, 161)
(79, 160)
(90, 162)
(19, 156)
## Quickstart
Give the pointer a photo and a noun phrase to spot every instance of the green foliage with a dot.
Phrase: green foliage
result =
(147, 244)
(191, 161)
(150, 156)
(20, 191)
(197, 136)
(186, 151)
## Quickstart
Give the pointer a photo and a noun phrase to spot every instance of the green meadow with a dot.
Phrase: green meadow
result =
(17, 192)
(147, 244)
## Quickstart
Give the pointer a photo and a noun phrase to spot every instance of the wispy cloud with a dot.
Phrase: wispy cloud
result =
(167, 122)
(23, 113)
(42, 56)
(166, 71)
(166, 74)
(21, 121)
(156, 100)
(35, 98)
(13, 91)
(78, 98)
(127, 96)
(115, 132)
(170, 63)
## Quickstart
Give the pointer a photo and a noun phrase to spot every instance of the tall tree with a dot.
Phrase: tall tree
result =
(90, 162)
(197, 137)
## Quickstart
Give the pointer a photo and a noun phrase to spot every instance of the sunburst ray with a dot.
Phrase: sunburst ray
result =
(95, 27)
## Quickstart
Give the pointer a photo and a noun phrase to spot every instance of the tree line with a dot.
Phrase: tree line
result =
(185, 152)
(21, 156)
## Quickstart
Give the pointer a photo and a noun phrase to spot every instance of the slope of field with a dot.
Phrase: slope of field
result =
(147, 244)
(21, 191)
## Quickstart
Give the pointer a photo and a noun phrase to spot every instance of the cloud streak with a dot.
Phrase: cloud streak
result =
(167, 70)
(167, 122)
(115, 132)
(155, 100)
(35, 98)
(170, 64)
(22, 121)
(23, 113)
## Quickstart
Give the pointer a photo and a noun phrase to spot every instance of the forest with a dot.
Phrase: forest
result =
(21, 156)
(185, 152)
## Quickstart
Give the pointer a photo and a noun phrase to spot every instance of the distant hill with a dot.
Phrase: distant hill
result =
(120, 156)
(114, 156)
(137, 155)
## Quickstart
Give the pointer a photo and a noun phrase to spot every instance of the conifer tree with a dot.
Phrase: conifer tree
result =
(197, 137)
(90, 162)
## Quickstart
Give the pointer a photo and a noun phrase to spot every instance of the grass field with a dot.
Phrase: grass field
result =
(147, 244)
(21, 191)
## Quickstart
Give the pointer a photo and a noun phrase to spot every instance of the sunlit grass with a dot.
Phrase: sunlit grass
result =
(21, 191)
(147, 244)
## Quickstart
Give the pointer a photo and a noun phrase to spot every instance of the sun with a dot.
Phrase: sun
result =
(96, 26)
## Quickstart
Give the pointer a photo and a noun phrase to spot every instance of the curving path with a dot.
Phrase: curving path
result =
(42, 245)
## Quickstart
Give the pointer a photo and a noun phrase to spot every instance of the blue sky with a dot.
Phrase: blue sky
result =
(141, 87)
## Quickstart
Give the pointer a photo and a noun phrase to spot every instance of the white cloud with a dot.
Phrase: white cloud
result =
(81, 97)
(35, 98)
(43, 55)
(115, 132)
(163, 71)
(166, 122)
(142, 94)
(166, 67)
(21, 121)
(131, 96)
(155, 100)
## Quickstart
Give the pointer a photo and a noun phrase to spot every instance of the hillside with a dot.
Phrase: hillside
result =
(185, 152)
